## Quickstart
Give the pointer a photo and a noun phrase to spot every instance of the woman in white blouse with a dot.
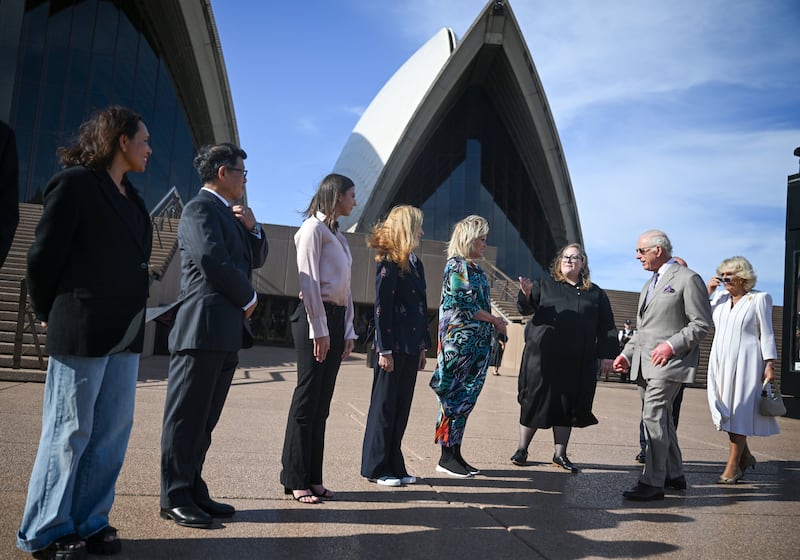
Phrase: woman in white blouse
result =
(741, 358)
(322, 327)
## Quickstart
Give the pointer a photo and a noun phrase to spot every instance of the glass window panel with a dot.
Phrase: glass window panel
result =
(105, 32)
(125, 63)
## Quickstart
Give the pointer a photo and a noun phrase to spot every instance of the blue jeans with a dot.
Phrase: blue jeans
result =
(87, 417)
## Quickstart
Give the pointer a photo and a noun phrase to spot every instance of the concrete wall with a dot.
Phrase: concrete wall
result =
(279, 275)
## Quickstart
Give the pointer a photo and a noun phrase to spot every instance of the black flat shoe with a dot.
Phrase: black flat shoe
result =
(520, 457)
(188, 516)
(678, 483)
(70, 547)
(216, 509)
(564, 463)
(641, 457)
(104, 542)
(644, 493)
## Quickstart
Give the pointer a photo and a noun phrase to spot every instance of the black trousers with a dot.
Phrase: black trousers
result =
(304, 444)
(196, 391)
(389, 409)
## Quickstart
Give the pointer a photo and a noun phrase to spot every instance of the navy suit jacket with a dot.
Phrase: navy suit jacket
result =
(217, 256)
(88, 271)
(401, 309)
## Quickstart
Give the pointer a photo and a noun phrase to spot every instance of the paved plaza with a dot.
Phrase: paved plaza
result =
(506, 512)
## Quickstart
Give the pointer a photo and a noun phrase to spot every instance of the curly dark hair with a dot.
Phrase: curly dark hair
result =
(211, 157)
(98, 138)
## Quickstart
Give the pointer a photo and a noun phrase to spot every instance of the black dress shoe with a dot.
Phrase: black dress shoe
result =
(678, 483)
(216, 509)
(641, 457)
(520, 457)
(644, 493)
(564, 463)
(188, 516)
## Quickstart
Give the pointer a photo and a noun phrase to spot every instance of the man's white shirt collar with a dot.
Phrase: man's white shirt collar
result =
(215, 193)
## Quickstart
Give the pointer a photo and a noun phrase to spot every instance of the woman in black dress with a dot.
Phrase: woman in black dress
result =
(572, 326)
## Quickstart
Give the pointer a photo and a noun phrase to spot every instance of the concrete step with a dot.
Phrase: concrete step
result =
(23, 375)
(28, 349)
(27, 337)
(27, 362)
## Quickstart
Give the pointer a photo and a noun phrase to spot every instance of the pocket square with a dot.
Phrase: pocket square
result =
(669, 290)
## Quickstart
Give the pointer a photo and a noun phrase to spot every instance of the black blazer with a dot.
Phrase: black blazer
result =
(217, 256)
(88, 266)
(9, 189)
(401, 309)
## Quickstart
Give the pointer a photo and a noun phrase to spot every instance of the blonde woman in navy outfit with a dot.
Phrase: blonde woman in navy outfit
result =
(401, 338)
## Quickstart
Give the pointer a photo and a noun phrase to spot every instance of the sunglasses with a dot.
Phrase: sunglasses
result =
(726, 279)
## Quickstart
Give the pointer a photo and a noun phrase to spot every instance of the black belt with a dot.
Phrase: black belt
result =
(332, 306)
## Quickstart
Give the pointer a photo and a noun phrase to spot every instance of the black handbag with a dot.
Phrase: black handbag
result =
(771, 404)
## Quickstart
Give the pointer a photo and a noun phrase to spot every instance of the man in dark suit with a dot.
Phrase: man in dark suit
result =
(220, 243)
(9, 189)
(674, 316)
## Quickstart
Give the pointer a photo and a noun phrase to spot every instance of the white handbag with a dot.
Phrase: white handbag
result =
(771, 404)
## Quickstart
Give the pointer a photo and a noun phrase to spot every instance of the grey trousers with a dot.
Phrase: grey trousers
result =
(663, 454)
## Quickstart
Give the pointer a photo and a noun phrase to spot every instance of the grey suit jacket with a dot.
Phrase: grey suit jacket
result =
(678, 312)
(217, 255)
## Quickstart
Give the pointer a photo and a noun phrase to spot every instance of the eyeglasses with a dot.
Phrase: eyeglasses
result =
(571, 258)
(242, 171)
(726, 279)
(643, 250)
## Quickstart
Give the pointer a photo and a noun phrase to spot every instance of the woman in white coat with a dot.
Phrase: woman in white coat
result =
(742, 356)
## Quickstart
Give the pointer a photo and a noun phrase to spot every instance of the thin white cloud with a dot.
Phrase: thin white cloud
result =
(356, 110)
(307, 125)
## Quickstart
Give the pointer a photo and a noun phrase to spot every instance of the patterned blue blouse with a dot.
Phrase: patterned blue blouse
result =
(464, 346)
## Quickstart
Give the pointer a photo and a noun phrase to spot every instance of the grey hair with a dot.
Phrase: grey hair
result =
(658, 238)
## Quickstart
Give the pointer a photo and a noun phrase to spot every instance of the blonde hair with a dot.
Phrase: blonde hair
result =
(397, 236)
(555, 267)
(741, 268)
(464, 235)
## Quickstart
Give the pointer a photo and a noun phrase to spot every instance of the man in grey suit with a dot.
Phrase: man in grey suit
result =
(674, 316)
(220, 243)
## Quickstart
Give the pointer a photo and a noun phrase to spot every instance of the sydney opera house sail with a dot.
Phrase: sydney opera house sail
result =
(463, 127)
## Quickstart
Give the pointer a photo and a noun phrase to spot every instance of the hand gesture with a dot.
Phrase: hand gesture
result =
(245, 215)
(525, 286)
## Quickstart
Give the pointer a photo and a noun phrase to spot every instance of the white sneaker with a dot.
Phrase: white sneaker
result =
(388, 481)
(409, 480)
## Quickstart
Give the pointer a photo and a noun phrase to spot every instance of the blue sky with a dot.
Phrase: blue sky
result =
(679, 115)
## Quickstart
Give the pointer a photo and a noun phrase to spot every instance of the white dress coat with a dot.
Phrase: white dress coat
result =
(742, 341)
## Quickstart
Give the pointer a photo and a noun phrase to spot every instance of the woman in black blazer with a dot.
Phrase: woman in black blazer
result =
(88, 280)
(401, 338)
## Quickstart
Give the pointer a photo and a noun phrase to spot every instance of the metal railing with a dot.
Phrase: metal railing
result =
(506, 288)
(25, 320)
(169, 208)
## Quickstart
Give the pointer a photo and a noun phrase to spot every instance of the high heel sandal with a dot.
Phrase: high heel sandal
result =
(310, 498)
